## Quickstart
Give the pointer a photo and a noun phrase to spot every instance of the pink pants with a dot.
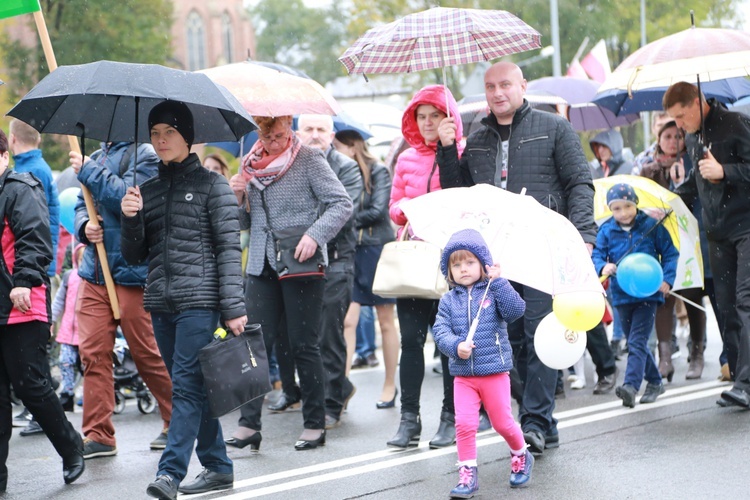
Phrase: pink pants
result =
(494, 392)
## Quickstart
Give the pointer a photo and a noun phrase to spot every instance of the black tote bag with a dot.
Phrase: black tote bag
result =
(235, 370)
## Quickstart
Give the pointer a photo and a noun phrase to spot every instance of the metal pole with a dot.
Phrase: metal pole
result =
(646, 122)
(554, 22)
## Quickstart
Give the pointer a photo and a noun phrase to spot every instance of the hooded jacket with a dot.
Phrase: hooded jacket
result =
(416, 171)
(612, 242)
(727, 203)
(26, 246)
(617, 164)
(64, 304)
(545, 157)
(458, 308)
(108, 175)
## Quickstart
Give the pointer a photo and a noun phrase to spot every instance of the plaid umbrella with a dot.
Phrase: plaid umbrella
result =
(437, 38)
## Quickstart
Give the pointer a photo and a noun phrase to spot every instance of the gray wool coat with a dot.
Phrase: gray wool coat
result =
(309, 193)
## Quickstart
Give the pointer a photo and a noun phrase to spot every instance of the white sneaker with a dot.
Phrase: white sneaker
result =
(578, 383)
(22, 419)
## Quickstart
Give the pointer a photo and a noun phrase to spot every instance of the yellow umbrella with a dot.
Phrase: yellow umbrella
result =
(656, 201)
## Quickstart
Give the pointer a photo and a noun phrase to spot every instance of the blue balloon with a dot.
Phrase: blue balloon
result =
(639, 275)
(68, 199)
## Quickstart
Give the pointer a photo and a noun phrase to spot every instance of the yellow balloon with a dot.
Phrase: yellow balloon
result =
(579, 311)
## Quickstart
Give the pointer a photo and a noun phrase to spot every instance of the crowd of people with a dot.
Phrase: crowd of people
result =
(171, 224)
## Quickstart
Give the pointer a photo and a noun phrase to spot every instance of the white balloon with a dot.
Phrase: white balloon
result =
(556, 346)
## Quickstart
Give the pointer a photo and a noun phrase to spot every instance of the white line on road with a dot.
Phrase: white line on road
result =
(395, 458)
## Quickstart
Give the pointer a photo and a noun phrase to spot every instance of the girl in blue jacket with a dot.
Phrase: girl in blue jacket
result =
(630, 230)
(480, 360)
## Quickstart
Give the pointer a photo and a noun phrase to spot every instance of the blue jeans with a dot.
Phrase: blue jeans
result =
(366, 332)
(180, 336)
(637, 321)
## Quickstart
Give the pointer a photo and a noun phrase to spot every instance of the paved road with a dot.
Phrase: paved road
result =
(683, 446)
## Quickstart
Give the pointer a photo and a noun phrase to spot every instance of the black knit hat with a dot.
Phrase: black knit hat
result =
(175, 114)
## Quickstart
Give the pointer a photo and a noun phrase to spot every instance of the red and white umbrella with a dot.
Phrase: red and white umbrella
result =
(439, 37)
(265, 91)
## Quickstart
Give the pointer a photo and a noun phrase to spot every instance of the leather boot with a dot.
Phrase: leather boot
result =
(665, 360)
(695, 368)
(446, 433)
(409, 431)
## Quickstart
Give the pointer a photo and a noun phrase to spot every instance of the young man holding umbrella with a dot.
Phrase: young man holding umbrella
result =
(523, 148)
(720, 147)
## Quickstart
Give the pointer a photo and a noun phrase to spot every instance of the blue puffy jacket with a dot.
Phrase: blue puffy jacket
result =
(32, 162)
(612, 242)
(493, 353)
(107, 175)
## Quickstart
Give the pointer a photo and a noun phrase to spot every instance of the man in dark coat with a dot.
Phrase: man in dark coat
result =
(518, 148)
(720, 147)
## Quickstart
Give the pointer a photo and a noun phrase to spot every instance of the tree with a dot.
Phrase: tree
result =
(305, 38)
(84, 31)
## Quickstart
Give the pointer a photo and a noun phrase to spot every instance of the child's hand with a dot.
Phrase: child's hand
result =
(665, 288)
(609, 269)
(464, 349)
(493, 271)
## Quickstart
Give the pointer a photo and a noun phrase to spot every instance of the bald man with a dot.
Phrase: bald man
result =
(516, 148)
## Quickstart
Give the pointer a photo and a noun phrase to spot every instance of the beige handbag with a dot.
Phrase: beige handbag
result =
(409, 269)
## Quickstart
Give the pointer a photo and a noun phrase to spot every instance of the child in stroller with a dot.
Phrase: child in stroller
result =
(128, 384)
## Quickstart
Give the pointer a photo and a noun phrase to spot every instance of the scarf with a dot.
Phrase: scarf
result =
(261, 169)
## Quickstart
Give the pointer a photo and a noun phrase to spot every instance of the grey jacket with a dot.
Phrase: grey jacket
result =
(296, 199)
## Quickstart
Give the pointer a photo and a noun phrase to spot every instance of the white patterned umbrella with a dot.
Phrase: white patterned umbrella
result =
(439, 37)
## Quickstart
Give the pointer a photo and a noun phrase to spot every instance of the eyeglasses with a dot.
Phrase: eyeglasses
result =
(278, 138)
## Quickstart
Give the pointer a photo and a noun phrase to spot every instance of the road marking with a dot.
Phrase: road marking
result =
(396, 458)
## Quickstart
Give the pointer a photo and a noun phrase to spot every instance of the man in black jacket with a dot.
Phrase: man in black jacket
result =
(720, 147)
(517, 148)
(317, 131)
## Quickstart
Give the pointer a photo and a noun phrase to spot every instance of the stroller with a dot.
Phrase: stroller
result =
(128, 384)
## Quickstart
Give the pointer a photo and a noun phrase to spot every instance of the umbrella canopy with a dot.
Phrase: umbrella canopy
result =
(269, 92)
(573, 90)
(681, 224)
(621, 102)
(535, 245)
(711, 53)
(590, 116)
(104, 100)
(439, 37)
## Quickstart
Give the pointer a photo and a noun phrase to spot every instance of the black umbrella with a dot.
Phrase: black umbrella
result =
(99, 101)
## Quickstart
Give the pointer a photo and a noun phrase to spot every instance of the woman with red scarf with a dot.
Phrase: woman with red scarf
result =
(292, 185)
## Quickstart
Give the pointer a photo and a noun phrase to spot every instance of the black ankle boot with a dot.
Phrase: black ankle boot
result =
(446, 433)
(409, 431)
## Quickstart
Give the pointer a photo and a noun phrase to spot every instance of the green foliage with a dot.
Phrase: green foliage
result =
(310, 39)
(84, 31)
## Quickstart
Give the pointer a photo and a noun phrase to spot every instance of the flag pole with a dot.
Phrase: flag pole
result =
(49, 55)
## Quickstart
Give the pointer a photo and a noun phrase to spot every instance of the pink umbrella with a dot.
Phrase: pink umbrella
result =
(268, 92)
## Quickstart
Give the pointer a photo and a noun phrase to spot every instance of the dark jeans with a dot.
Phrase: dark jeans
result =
(730, 266)
(601, 353)
(637, 321)
(180, 336)
(296, 304)
(415, 316)
(539, 380)
(23, 363)
(337, 295)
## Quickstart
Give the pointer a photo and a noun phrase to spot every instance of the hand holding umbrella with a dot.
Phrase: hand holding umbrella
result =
(132, 203)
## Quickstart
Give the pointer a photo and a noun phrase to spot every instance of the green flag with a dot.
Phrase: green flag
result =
(10, 8)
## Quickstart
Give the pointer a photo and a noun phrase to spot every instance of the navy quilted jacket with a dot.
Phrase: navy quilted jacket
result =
(493, 353)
